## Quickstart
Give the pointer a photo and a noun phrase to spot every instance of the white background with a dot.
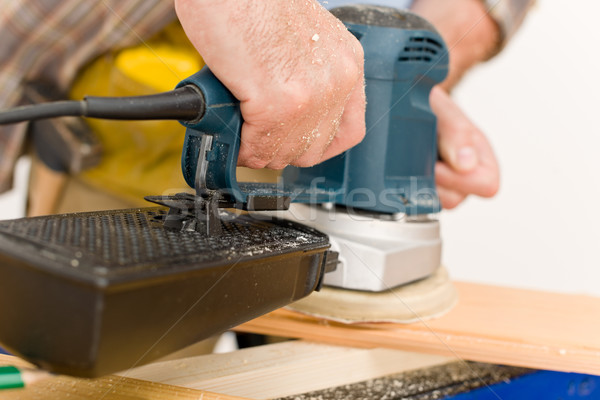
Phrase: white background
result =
(538, 102)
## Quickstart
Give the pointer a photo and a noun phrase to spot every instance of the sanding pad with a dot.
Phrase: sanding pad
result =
(421, 300)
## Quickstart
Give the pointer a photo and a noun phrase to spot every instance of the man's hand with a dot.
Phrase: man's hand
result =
(468, 163)
(296, 70)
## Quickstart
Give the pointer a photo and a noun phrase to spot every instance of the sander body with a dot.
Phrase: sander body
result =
(381, 215)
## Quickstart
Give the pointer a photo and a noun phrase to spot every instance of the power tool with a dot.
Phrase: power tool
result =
(381, 214)
(91, 293)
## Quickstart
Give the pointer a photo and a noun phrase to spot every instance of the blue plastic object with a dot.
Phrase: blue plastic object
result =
(222, 120)
(391, 171)
(546, 385)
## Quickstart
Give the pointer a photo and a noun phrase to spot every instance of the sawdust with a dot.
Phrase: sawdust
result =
(423, 384)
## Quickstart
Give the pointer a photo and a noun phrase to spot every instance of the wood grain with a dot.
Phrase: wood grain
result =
(490, 324)
(106, 388)
(45, 189)
(283, 369)
(264, 372)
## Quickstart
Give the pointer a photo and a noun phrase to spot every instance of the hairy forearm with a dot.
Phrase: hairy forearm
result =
(470, 33)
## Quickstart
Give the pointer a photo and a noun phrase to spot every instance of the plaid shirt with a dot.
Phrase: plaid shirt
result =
(508, 14)
(50, 40)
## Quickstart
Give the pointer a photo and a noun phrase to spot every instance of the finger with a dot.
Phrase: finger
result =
(455, 132)
(270, 132)
(483, 181)
(319, 139)
(257, 146)
(306, 135)
(343, 127)
(449, 198)
(340, 129)
(352, 128)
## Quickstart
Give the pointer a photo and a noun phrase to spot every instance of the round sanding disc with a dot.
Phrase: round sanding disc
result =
(421, 300)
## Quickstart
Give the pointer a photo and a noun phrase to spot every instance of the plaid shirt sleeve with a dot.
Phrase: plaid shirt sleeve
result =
(508, 14)
(50, 40)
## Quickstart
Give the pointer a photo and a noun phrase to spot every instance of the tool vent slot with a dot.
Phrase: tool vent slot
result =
(421, 49)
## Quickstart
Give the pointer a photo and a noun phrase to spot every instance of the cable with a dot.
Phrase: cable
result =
(41, 111)
(185, 103)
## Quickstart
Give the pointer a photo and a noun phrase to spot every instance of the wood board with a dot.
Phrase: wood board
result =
(264, 372)
(291, 370)
(490, 324)
(106, 388)
(283, 369)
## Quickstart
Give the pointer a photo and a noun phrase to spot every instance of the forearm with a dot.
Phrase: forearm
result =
(471, 34)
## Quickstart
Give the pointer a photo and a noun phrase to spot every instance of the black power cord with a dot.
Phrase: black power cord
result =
(184, 104)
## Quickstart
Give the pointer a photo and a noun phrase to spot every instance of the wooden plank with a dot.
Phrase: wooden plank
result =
(106, 388)
(283, 369)
(45, 189)
(271, 371)
(490, 324)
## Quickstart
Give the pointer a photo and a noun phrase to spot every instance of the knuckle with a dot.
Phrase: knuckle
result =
(351, 72)
(451, 202)
(356, 48)
(346, 140)
(283, 104)
(308, 159)
(296, 99)
(461, 129)
(253, 162)
(455, 131)
(356, 138)
(277, 165)
(304, 163)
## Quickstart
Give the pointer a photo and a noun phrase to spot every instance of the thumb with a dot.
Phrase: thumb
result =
(455, 132)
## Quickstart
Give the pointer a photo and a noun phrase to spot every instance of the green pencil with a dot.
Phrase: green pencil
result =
(14, 378)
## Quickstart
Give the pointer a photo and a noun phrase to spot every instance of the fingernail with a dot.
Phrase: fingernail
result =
(466, 159)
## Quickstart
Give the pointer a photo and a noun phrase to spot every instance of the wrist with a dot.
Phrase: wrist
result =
(470, 33)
